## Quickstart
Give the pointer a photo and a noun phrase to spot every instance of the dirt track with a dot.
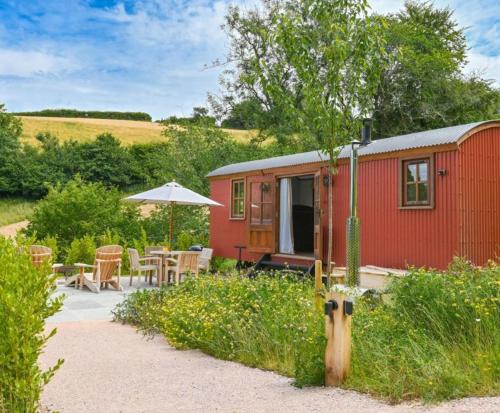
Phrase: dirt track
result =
(11, 229)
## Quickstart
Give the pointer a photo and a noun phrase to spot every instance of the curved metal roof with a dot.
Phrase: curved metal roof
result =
(424, 139)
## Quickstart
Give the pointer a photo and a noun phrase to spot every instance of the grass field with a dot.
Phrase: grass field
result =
(14, 210)
(127, 131)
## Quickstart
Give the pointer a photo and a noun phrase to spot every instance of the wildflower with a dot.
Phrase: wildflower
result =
(478, 320)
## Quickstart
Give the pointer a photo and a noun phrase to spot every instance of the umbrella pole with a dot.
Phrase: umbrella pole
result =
(171, 224)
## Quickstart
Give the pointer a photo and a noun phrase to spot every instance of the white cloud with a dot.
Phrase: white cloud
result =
(488, 66)
(29, 63)
(164, 25)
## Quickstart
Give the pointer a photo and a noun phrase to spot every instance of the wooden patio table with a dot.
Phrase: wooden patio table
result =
(164, 255)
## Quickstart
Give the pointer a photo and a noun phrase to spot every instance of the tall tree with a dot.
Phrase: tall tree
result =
(424, 87)
(316, 64)
(10, 148)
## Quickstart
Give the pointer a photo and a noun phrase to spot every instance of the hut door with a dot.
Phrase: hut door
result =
(318, 233)
(261, 213)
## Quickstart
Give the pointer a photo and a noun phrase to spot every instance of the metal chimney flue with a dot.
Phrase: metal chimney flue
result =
(366, 132)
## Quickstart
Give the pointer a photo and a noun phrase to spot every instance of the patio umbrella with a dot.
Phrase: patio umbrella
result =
(172, 194)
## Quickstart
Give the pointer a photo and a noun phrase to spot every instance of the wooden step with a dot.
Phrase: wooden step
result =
(266, 263)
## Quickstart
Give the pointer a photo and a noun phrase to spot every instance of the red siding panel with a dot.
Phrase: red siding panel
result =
(225, 233)
(479, 185)
(394, 237)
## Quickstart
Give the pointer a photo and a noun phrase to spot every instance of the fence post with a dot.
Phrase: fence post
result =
(318, 284)
(338, 334)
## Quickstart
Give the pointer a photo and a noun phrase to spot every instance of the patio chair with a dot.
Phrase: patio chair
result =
(39, 254)
(149, 248)
(105, 271)
(205, 257)
(186, 262)
(152, 265)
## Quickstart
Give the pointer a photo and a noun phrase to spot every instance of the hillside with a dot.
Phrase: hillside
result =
(127, 131)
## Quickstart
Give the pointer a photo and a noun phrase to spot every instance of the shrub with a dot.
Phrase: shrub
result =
(25, 303)
(81, 250)
(191, 226)
(269, 322)
(79, 209)
(437, 338)
(223, 265)
(104, 160)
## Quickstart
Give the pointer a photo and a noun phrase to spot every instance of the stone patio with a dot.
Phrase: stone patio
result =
(84, 305)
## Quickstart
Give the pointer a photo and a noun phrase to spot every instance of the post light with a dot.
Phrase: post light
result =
(353, 241)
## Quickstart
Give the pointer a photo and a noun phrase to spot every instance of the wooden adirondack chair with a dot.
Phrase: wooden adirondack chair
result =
(186, 262)
(39, 254)
(105, 271)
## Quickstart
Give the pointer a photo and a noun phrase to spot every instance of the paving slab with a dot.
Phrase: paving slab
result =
(84, 305)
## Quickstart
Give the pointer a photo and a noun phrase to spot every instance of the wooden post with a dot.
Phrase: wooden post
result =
(318, 284)
(338, 346)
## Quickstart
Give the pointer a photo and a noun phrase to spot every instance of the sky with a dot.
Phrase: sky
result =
(150, 55)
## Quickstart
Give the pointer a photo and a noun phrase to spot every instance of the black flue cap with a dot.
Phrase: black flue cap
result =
(366, 132)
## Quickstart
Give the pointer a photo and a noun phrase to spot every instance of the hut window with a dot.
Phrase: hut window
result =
(238, 199)
(416, 189)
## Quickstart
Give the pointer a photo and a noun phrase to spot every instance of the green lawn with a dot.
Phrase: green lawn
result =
(14, 210)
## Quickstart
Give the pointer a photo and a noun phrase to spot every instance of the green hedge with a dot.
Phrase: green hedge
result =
(95, 114)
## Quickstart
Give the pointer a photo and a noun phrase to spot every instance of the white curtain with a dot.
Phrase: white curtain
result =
(286, 221)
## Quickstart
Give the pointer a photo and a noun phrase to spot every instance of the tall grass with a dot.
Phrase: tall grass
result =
(14, 210)
(437, 338)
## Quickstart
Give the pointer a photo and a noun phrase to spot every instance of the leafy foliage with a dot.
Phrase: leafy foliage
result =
(424, 88)
(195, 151)
(73, 113)
(10, 131)
(81, 250)
(277, 48)
(79, 209)
(187, 155)
(25, 304)
(246, 114)
(316, 64)
(199, 117)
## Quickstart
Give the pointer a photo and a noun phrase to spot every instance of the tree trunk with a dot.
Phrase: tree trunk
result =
(330, 226)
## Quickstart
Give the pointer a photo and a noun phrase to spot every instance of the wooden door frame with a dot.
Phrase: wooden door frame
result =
(248, 182)
(310, 172)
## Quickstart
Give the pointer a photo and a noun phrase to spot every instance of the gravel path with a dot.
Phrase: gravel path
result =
(111, 368)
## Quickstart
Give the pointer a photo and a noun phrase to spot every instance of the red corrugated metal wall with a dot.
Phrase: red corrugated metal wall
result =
(460, 224)
(224, 232)
(479, 184)
(393, 237)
